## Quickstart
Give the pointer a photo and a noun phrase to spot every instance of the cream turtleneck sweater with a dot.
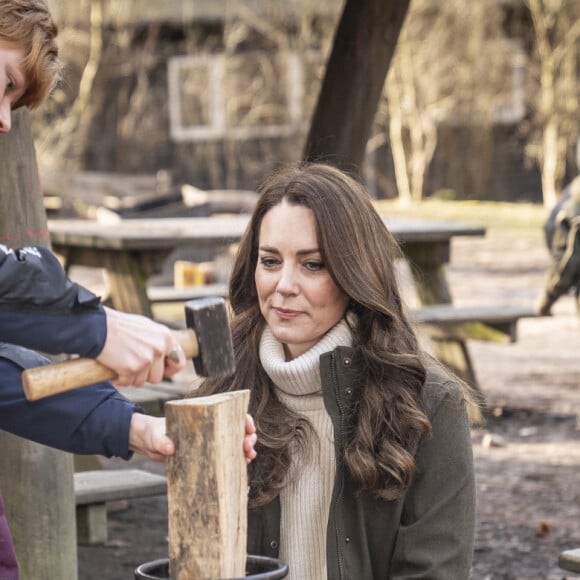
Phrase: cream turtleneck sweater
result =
(305, 500)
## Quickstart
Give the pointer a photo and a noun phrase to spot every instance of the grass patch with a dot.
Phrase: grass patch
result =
(497, 217)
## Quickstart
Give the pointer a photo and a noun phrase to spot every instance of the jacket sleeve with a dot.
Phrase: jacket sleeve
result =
(91, 420)
(42, 309)
(436, 534)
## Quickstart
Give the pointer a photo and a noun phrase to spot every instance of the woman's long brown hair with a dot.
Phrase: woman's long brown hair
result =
(359, 253)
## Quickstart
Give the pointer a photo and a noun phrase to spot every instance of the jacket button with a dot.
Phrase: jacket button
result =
(348, 391)
(347, 539)
(346, 361)
(273, 544)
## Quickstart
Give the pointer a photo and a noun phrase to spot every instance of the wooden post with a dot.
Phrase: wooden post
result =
(36, 481)
(207, 487)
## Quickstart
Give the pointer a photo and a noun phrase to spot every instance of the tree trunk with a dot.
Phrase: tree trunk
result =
(398, 143)
(36, 481)
(363, 48)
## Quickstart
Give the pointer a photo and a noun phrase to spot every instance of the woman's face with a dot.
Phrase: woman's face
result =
(297, 296)
(12, 82)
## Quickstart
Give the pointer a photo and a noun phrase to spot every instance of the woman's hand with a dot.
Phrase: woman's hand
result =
(147, 436)
(250, 439)
(138, 350)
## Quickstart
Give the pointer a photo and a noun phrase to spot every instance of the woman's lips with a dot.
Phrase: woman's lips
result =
(286, 314)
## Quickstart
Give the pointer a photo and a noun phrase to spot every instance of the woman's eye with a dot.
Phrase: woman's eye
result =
(269, 262)
(314, 265)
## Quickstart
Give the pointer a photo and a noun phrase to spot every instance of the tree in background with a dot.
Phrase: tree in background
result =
(556, 26)
(453, 67)
(364, 45)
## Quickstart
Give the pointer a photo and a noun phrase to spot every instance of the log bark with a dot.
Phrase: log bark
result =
(362, 51)
(36, 481)
(207, 487)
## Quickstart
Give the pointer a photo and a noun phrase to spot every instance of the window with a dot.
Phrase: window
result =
(256, 94)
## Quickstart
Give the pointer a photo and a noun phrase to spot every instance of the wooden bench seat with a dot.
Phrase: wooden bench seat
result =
(94, 489)
(495, 323)
(450, 326)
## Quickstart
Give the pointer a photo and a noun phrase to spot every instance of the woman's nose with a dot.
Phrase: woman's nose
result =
(287, 283)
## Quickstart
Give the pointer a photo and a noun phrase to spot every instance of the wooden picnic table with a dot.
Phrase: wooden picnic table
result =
(133, 250)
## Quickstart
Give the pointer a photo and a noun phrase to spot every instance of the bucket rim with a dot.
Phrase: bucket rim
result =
(278, 568)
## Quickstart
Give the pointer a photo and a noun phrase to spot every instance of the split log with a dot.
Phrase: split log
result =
(207, 487)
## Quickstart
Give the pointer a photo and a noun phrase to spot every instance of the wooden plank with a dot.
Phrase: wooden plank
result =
(219, 231)
(207, 486)
(101, 486)
(149, 234)
(490, 314)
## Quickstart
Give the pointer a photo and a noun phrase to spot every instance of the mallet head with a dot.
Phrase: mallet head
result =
(208, 318)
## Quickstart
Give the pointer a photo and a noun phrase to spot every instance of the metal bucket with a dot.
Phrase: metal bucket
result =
(257, 568)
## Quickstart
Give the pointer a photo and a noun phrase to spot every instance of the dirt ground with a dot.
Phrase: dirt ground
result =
(528, 479)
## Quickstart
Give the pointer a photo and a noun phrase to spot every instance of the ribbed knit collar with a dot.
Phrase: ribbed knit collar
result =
(300, 376)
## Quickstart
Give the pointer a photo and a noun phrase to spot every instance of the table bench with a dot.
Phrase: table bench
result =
(487, 322)
(449, 326)
(94, 489)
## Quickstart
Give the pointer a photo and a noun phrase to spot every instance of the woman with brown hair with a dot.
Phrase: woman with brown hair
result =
(364, 467)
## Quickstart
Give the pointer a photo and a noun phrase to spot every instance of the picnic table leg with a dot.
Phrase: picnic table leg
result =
(428, 269)
(127, 283)
(126, 273)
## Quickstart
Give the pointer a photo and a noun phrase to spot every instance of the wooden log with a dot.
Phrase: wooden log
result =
(36, 481)
(207, 487)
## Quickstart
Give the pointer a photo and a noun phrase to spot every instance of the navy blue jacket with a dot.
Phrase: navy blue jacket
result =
(41, 309)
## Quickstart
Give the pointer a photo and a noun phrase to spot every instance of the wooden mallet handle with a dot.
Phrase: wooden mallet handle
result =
(44, 381)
